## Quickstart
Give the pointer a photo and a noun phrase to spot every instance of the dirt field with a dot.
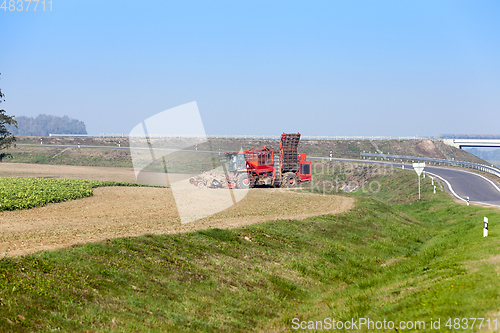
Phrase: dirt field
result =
(67, 171)
(132, 211)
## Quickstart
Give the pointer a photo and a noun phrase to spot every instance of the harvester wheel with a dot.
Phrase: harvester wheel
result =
(243, 182)
(290, 180)
(201, 184)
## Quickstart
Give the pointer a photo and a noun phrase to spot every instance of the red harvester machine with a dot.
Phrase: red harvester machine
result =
(263, 167)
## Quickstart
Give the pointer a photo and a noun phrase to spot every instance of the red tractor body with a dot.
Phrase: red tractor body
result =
(263, 167)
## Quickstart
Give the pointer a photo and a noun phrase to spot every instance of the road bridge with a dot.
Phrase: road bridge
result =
(461, 143)
(471, 140)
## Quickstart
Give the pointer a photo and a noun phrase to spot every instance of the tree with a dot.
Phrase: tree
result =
(43, 125)
(6, 138)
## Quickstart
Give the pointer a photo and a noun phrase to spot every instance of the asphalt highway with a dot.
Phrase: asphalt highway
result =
(463, 184)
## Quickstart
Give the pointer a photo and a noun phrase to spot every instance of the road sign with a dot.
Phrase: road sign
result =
(418, 167)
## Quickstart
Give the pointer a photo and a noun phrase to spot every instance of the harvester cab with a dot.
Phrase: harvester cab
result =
(235, 162)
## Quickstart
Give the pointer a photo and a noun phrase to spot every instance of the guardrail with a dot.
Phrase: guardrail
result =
(436, 161)
(255, 137)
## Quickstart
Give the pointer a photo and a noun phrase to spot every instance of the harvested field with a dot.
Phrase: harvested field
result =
(67, 171)
(132, 211)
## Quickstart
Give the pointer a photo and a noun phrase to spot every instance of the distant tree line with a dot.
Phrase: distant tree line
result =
(43, 125)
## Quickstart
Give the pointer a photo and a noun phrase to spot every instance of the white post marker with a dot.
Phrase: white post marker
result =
(434, 189)
(424, 174)
(468, 201)
(403, 166)
(418, 167)
(330, 155)
(432, 178)
(485, 229)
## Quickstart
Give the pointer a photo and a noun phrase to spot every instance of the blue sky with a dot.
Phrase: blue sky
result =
(259, 67)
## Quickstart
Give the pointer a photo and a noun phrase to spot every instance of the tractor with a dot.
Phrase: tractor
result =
(264, 167)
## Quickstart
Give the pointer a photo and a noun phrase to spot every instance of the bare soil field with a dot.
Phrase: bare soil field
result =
(67, 171)
(132, 211)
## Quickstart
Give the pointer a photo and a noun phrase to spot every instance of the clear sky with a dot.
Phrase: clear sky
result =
(259, 67)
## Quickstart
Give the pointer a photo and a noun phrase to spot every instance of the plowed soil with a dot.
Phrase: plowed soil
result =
(67, 171)
(132, 211)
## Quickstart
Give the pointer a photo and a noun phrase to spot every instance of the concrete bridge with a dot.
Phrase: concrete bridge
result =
(461, 143)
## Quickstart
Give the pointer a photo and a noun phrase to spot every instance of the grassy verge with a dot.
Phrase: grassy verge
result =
(71, 156)
(403, 261)
(400, 187)
(24, 193)
(122, 158)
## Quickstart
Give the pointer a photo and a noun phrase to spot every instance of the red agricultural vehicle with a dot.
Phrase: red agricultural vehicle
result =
(251, 168)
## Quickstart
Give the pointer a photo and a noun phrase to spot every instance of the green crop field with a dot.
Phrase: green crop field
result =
(24, 193)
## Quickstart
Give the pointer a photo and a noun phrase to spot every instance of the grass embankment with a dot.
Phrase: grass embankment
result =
(413, 261)
(24, 193)
(122, 158)
(69, 156)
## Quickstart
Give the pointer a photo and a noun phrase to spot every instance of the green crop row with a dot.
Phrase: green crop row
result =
(25, 193)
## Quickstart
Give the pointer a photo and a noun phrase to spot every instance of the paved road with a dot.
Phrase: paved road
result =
(468, 184)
